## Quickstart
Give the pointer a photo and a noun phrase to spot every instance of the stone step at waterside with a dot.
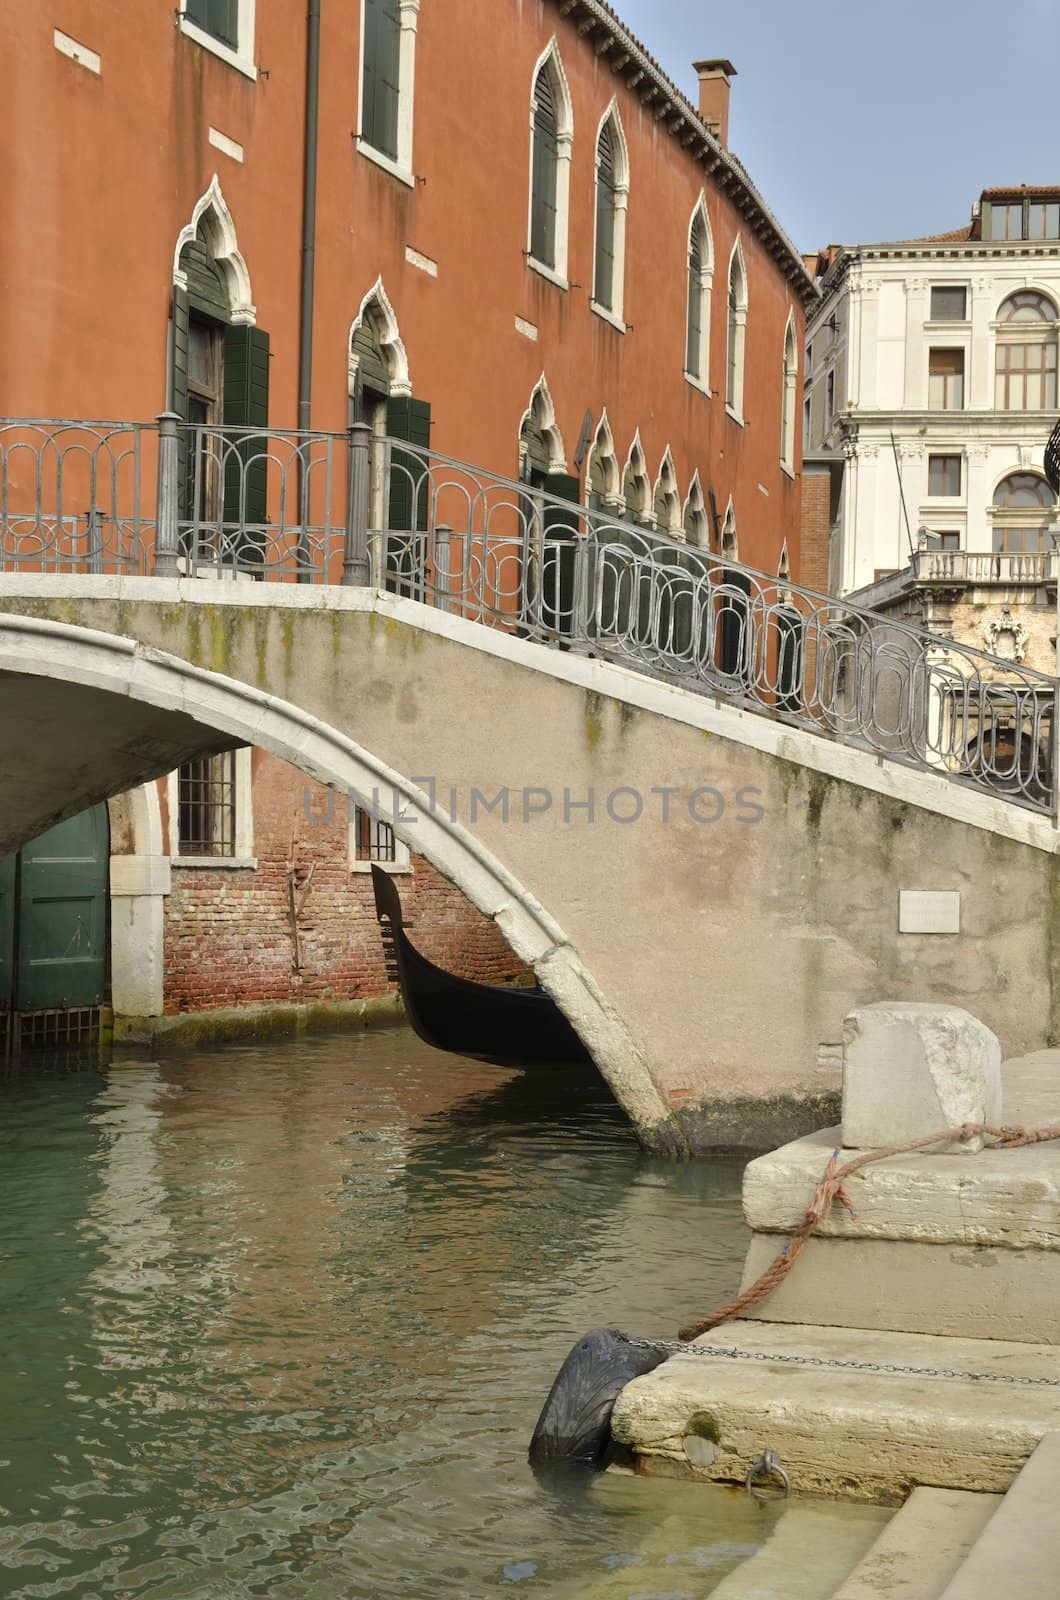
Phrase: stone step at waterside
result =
(842, 1412)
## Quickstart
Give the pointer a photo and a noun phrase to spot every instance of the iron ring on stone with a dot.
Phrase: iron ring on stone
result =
(768, 1465)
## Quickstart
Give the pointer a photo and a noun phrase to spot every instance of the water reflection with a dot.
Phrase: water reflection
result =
(278, 1321)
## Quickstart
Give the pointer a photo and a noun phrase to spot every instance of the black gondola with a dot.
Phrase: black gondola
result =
(511, 1027)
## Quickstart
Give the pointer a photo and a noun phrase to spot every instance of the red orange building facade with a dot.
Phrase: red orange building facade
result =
(524, 247)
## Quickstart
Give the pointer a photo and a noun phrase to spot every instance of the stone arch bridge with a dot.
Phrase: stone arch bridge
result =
(705, 891)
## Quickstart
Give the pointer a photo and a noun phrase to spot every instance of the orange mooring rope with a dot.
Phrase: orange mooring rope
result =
(833, 1187)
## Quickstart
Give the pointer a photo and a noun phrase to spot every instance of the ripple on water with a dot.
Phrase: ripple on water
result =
(279, 1321)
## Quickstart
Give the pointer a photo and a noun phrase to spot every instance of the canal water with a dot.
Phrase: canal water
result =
(278, 1321)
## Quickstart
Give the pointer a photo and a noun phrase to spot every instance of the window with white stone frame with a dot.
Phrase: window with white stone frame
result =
(789, 378)
(737, 331)
(697, 315)
(210, 807)
(551, 141)
(388, 69)
(612, 198)
(224, 27)
(1025, 361)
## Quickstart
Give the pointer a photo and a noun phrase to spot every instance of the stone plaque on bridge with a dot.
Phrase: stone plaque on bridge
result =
(929, 911)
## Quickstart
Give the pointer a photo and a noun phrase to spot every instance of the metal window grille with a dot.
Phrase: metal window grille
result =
(375, 840)
(207, 803)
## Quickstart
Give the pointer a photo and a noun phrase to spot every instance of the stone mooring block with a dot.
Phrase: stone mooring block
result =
(909, 1070)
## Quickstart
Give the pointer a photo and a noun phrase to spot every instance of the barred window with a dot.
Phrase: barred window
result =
(374, 839)
(206, 797)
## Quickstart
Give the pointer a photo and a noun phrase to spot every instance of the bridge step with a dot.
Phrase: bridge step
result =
(1019, 1551)
(921, 1547)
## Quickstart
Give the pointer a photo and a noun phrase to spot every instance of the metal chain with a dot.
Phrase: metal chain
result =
(733, 1353)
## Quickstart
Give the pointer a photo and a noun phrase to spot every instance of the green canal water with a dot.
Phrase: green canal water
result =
(277, 1321)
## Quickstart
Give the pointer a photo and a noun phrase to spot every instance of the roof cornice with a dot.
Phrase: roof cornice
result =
(628, 59)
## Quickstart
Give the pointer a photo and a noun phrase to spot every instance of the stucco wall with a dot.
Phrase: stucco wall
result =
(89, 242)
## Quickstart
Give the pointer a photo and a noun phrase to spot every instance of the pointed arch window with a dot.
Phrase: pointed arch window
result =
(737, 329)
(612, 192)
(789, 383)
(1026, 357)
(695, 516)
(666, 502)
(636, 488)
(700, 274)
(551, 126)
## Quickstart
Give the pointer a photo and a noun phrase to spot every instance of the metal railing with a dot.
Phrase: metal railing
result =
(170, 499)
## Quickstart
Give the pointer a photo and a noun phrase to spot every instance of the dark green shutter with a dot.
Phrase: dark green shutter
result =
(217, 17)
(179, 325)
(62, 915)
(7, 932)
(695, 302)
(604, 278)
(246, 404)
(734, 619)
(381, 80)
(561, 526)
(207, 290)
(409, 492)
(544, 174)
(789, 658)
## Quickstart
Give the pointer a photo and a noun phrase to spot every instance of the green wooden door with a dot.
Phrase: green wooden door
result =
(7, 932)
(62, 915)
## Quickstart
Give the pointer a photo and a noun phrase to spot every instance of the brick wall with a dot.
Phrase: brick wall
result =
(228, 932)
(816, 521)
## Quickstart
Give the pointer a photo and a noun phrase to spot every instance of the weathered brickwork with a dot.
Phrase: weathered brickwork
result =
(229, 934)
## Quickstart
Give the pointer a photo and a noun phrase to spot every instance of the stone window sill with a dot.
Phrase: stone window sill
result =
(216, 48)
(218, 863)
(735, 415)
(549, 273)
(396, 170)
(697, 383)
(610, 317)
(394, 868)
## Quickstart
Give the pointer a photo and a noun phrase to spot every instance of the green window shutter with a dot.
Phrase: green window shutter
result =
(381, 80)
(217, 17)
(408, 419)
(178, 393)
(246, 405)
(544, 174)
(604, 277)
(557, 578)
(695, 303)
(207, 290)
(409, 493)
(7, 932)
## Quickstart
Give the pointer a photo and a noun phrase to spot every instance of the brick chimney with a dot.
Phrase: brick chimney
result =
(714, 79)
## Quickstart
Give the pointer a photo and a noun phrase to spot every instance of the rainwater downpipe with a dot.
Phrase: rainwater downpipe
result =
(309, 231)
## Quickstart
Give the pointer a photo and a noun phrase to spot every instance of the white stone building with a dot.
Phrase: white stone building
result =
(931, 381)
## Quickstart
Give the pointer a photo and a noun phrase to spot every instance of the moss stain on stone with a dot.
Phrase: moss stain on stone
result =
(592, 720)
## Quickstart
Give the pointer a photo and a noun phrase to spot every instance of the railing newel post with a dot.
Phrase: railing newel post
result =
(443, 573)
(166, 517)
(356, 567)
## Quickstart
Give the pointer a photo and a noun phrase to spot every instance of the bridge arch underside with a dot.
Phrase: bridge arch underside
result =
(91, 716)
(707, 950)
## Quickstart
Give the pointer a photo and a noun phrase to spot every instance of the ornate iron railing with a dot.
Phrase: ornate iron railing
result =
(169, 498)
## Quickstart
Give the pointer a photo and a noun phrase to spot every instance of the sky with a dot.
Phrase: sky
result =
(873, 121)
